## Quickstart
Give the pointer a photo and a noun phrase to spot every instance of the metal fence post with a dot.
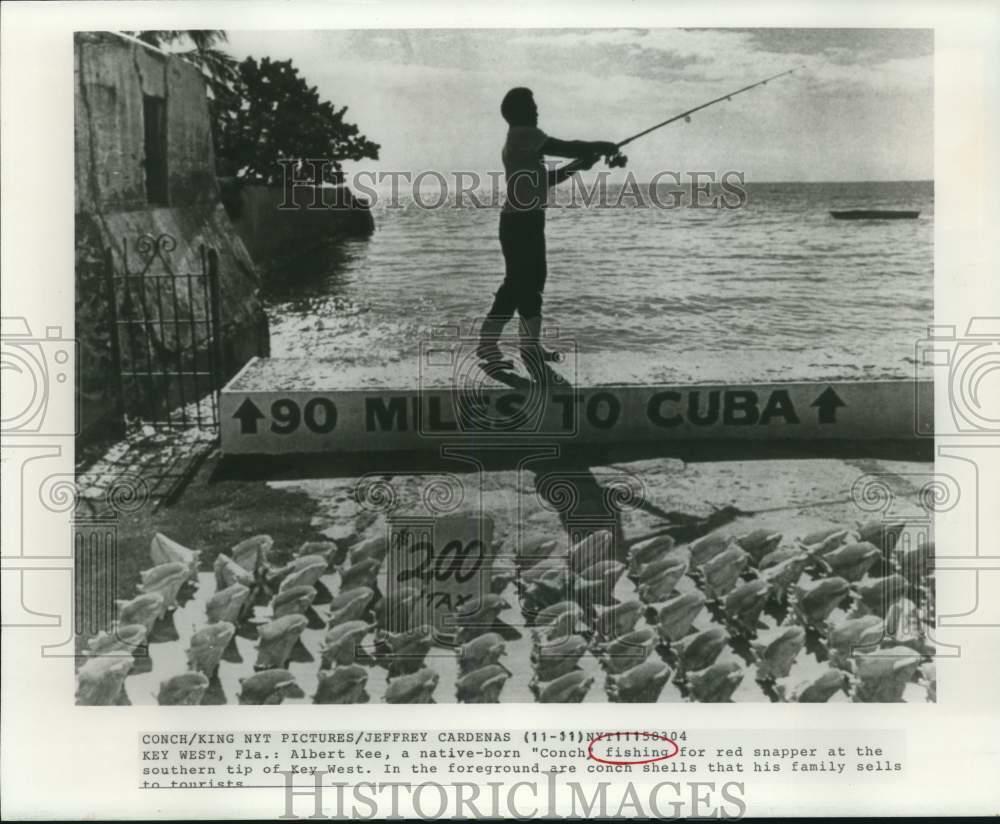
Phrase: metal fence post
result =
(118, 386)
(217, 342)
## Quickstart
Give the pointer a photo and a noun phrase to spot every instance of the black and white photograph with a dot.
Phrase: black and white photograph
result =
(535, 410)
(507, 366)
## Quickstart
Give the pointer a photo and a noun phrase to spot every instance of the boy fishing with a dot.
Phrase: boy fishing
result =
(522, 226)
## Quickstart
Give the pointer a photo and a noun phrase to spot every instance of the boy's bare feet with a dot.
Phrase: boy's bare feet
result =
(490, 355)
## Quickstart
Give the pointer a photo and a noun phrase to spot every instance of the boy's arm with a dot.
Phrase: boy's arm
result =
(577, 149)
(556, 176)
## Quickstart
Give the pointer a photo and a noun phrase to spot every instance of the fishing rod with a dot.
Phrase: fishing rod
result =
(618, 159)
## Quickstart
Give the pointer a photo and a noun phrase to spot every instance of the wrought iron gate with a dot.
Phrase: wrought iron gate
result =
(165, 336)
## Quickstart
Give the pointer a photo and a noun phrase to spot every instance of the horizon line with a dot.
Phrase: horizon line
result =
(430, 182)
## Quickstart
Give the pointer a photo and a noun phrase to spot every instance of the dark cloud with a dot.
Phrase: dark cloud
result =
(845, 45)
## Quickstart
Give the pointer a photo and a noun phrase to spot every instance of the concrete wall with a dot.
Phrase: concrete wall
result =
(269, 231)
(112, 74)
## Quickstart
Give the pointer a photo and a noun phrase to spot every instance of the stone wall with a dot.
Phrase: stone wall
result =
(113, 77)
(273, 223)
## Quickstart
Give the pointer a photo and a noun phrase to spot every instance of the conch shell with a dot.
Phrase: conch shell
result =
(481, 619)
(163, 550)
(928, 675)
(759, 543)
(101, 681)
(207, 646)
(166, 579)
(123, 639)
(483, 685)
(342, 685)
(362, 574)
(228, 572)
(547, 587)
(559, 619)
(902, 622)
(350, 605)
(878, 594)
(700, 650)
(373, 549)
(596, 584)
(304, 571)
(717, 683)
(292, 601)
(883, 675)
(657, 580)
(536, 550)
(340, 646)
(593, 549)
(820, 689)
(325, 549)
(914, 560)
(724, 570)
(820, 543)
(648, 551)
(480, 652)
(269, 687)
(555, 658)
(629, 650)
(613, 622)
(883, 535)
(853, 636)
(417, 688)
(744, 604)
(250, 554)
(407, 650)
(704, 549)
(815, 600)
(227, 604)
(570, 688)
(776, 651)
(186, 690)
(820, 535)
(676, 615)
(642, 683)
(143, 609)
(852, 561)
(785, 571)
(395, 612)
(276, 639)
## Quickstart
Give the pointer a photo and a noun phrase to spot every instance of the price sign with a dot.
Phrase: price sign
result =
(447, 560)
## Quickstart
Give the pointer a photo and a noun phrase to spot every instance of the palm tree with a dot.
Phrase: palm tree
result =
(218, 67)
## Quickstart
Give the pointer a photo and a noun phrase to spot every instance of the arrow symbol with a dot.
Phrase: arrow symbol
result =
(827, 404)
(248, 414)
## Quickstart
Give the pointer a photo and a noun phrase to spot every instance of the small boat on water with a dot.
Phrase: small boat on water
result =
(874, 214)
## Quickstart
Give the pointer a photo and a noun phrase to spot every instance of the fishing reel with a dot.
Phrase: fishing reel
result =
(616, 161)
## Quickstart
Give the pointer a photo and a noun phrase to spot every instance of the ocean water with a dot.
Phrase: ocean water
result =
(774, 290)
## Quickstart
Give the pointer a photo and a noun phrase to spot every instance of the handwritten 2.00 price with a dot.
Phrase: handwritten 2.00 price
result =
(457, 561)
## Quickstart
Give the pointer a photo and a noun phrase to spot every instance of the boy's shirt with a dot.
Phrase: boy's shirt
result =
(525, 171)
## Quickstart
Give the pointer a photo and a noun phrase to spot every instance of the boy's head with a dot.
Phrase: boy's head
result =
(518, 107)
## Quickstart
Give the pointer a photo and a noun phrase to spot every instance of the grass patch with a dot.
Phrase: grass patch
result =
(212, 516)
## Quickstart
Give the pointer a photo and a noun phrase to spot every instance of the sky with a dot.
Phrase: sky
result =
(859, 108)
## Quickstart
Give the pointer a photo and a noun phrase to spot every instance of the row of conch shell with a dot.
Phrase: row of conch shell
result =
(343, 678)
(708, 613)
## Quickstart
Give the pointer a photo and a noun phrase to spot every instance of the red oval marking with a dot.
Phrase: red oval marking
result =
(627, 762)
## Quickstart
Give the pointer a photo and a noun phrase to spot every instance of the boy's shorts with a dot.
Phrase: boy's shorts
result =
(522, 239)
